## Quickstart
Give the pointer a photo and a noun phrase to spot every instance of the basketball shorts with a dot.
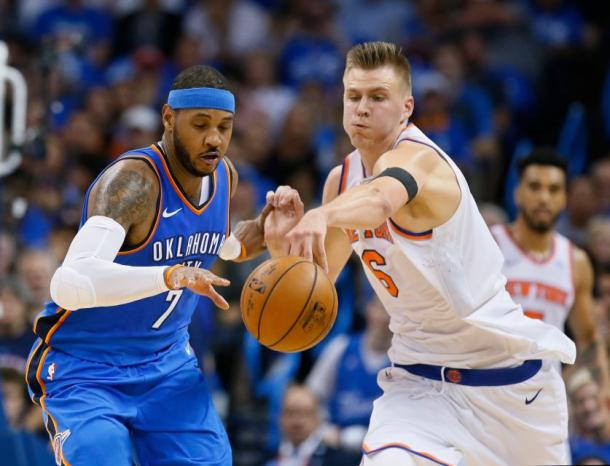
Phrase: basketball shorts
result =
(158, 414)
(428, 422)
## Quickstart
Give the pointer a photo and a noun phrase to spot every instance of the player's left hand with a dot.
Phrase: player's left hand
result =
(286, 210)
(306, 239)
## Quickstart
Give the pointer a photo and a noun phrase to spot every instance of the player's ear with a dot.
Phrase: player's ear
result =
(168, 117)
(408, 106)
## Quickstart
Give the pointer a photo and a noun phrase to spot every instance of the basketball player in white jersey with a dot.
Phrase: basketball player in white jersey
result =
(467, 385)
(550, 277)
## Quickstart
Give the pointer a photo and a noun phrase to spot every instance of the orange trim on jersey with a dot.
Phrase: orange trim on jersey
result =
(61, 320)
(404, 446)
(344, 173)
(526, 254)
(424, 235)
(40, 381)
(152, 231)
(186, 202)
(571, 258)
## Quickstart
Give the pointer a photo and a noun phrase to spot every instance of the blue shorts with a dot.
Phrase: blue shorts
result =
(98, 414)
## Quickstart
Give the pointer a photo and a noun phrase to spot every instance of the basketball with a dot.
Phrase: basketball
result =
(288, 304)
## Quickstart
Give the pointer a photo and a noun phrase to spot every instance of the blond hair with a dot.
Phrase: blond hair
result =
(372, 55)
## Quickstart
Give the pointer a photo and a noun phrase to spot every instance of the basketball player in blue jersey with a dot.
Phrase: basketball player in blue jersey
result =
(112, 368)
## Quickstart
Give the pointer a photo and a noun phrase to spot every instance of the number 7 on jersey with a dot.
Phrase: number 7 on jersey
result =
(173, 296)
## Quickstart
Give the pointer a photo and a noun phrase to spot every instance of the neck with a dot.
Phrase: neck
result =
(189, 183)
(531, 240)
(371, 154)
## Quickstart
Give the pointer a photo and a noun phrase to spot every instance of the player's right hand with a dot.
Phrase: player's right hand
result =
(201, 281)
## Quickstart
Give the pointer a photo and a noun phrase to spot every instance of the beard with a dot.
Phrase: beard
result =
(539, 226)
(183, 157)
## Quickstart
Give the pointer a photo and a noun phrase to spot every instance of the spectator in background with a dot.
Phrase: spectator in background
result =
(151, 25)
(602, 288)
(302, 443)
(598, 240)
(16, 336)
(345, 376)
(472, 107)
(8, 248)
(581, 207)
(263, 90)
(601, 182)
(14, 398)
(435, 119)
(34, 271)
(371, 20)
(226, 29)
(590, 419)
(138, 126)
(556, 23)
(313, 49)
(493, 214)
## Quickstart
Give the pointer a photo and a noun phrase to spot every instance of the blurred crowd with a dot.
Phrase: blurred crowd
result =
(491, 78)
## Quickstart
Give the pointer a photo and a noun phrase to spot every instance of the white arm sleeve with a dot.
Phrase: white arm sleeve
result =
(88, 276)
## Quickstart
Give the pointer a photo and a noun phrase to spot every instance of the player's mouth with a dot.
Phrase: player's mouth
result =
(210, 156)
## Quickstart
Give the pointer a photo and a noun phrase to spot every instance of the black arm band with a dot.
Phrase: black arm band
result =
(404, 177)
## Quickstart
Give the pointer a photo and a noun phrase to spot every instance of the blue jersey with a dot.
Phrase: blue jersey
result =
(351, 402)
(182, 233)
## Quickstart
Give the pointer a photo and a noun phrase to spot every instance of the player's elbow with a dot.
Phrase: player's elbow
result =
(72, 290)
(380, 204)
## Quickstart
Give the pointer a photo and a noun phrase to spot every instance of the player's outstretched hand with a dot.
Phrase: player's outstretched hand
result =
(200, 281)
(306, 239)
(286, 209)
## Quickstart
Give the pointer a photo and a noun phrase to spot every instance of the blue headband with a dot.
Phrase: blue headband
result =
(201, 97)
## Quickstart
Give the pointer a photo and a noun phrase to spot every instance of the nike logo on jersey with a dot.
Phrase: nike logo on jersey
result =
(531, 400)
(167, 214)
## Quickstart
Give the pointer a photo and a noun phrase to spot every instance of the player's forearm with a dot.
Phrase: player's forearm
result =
(250, 234)
(89, 277)
(92, 282)
(362, 207)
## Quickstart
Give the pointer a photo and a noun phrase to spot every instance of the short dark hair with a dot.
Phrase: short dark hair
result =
(200, 76)
(373, 55)
(542, 156)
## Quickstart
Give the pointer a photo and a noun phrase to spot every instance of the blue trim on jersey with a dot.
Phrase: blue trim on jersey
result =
(477, 377)
(410, 233)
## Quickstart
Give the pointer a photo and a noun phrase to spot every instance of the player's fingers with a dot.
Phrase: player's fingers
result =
(320, 254)
(213, 279)
(295, 248)
(271, 198)
(307, 250)
(217, 298)
(218, 281)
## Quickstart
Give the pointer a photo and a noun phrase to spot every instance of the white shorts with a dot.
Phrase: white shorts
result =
(434, 422)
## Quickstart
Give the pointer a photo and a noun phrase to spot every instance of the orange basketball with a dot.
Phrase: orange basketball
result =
(288, 304)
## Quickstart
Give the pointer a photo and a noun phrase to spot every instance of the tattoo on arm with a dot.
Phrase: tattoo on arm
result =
(125, 195)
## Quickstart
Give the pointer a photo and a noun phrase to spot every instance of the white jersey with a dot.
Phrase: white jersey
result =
(544, 288)
(444, 288)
